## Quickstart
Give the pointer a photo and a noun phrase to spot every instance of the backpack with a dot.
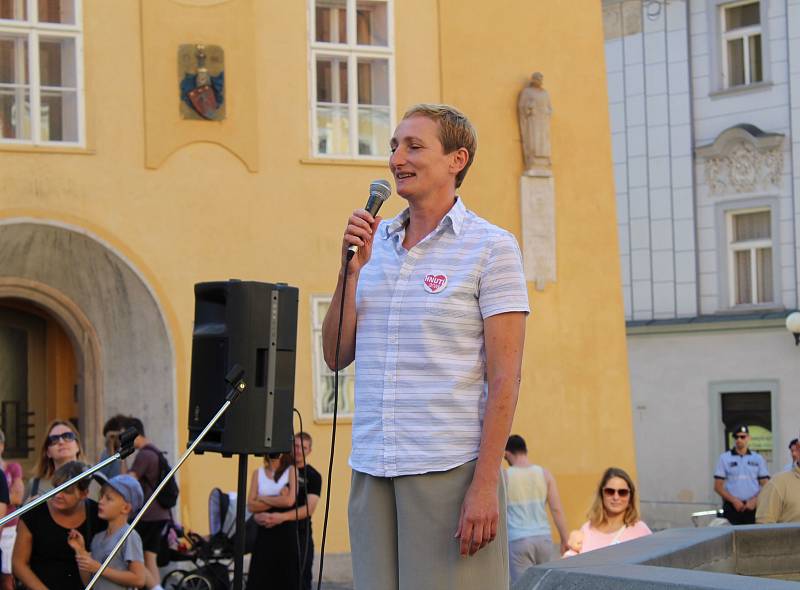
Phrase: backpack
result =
(168, 496)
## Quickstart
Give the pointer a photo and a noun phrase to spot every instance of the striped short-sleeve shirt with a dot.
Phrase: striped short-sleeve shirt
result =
(421, 384)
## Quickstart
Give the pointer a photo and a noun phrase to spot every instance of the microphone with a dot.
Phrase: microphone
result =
(379, 191)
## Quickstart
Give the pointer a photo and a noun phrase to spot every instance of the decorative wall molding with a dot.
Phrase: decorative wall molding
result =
(743, 159)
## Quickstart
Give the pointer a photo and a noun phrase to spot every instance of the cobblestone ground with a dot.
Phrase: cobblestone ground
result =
(336, 586)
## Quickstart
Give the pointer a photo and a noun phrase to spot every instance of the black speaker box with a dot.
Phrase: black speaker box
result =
(254, 325)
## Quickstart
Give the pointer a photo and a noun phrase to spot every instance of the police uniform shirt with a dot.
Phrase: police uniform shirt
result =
(741, 473)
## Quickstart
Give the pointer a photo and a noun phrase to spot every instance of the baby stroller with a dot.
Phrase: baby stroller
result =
(211, 557)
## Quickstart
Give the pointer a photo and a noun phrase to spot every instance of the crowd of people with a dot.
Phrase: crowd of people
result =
(62, 542)
(749, 496)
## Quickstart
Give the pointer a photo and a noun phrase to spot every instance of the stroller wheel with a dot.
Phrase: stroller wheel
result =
(195, 582)
(172, 581)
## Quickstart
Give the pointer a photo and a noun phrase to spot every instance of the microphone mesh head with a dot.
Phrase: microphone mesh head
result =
(381, 189)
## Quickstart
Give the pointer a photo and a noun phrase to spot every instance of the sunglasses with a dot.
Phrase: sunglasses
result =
(611, 492)
(65, 436)
(740, 436)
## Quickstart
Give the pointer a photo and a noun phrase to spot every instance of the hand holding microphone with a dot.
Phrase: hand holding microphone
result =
(362, 225)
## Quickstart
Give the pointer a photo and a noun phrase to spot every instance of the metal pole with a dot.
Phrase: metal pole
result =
(241, 491)
(126, 450)
(238, 386)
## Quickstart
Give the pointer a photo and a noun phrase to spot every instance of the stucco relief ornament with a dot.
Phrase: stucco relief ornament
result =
(743, 159)
(743, 163)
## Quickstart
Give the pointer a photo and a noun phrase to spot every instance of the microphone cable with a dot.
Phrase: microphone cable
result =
(301, 562)
(333, 430)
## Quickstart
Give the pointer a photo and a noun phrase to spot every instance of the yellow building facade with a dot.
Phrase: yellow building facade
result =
(112, 205)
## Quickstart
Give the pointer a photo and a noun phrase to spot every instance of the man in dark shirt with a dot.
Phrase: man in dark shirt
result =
(145, 468)
(309, 488)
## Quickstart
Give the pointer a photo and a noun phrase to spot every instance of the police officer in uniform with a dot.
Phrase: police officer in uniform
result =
(739, 477)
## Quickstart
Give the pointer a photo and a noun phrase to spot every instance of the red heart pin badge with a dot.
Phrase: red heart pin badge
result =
(435, 283)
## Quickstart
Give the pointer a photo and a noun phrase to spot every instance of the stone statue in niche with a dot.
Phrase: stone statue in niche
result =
(534, 110)
(201, 76)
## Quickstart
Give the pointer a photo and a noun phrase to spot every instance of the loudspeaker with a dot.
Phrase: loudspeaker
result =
(254, 325)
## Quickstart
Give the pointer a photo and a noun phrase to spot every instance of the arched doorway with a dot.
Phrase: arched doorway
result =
(40, 377)
(123, 357)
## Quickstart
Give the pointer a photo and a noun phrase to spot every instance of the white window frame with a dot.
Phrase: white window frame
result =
(350, 51)
(32, 29)
(319, 368)
(744, 34)
(752, 246)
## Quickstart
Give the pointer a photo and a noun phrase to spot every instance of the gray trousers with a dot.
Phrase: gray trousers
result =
(527, 552)
(401, 534)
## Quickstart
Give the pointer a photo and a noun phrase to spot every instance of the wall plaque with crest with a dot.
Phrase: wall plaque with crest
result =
(201, 79)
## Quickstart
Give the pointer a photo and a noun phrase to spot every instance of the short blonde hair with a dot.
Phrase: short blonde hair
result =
(455, 130)
(597, 513)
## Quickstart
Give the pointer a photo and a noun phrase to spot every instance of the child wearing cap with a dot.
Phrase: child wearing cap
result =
(120, 497)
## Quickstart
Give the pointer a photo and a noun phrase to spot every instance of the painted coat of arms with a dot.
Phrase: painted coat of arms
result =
(201, 75)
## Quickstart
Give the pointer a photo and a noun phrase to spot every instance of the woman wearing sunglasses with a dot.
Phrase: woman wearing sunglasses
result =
(613, 517)
(61, 445)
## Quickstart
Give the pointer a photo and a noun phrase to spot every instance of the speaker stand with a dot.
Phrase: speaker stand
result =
(238, 546)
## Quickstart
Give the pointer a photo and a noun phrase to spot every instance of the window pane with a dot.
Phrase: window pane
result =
(373, 131)
(735, 62)
(764, 273)
(755, 59)
(15, 113)
(371, 23)
(754, 409)
(751, 226)
(59, 115)
(744, 288)
(332, 80)
(742, 16)
(333, 130)
(57, 11)
(373, 81)
(57, 62)
(13, 60)
(346, 394)
(331, 21)
(14, 9)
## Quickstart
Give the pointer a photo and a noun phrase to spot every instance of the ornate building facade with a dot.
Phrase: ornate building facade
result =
(704, 99)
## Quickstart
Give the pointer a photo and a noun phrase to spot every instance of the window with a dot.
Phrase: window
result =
(41, 90)
(323, 376)
(352, 78)
(754, 409)
(742, 60)
(750, 257)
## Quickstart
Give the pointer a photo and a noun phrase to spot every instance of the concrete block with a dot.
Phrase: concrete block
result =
(661, 234)
(657, 110)
(660, 203)
(659, 171)
(640, 273)
(638, 203)
(634, 78)
(686, 299)
(614, 57)
(635, 110)
(640, 233)
(685, 267)
(679, 108)
(683, 233)
(655, 49)
(682, 201)
(677, 46)
(681, 169)
(621, 177)
(656, 78)
(633, 47)
(663, 272)
(678, 77)
(658, 138)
